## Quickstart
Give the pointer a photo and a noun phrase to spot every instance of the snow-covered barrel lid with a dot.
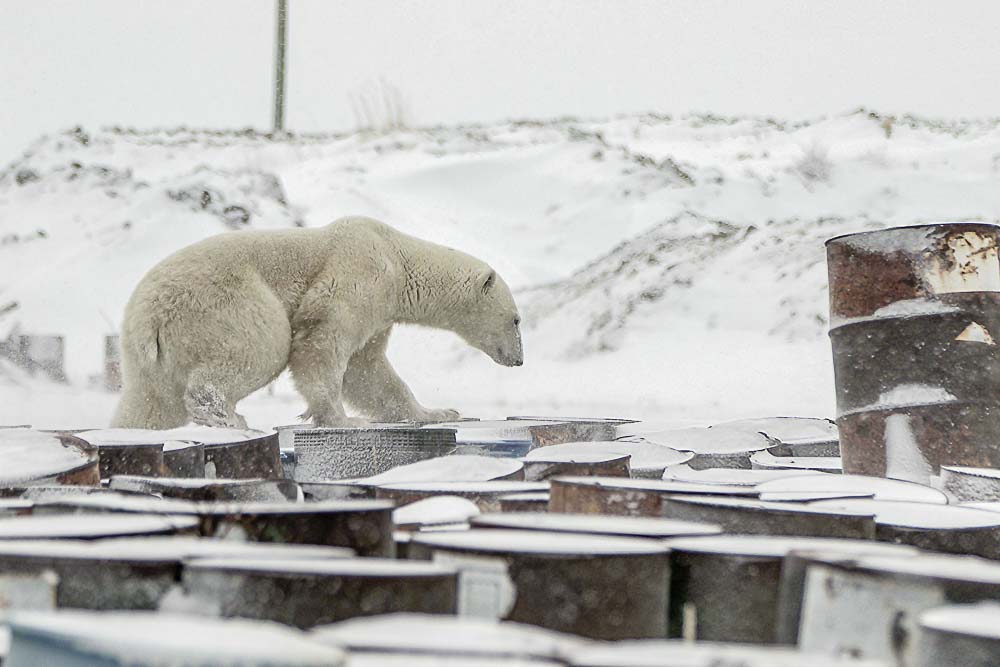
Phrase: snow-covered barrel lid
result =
(655, 486)
(28, 456)
(926, 564)
(435, 634)
(643, 455)
(924, 516)
(654, 652)
(779, 546)
(453, 468)
(880, 488)
(94, 526)
(731, 476)
(528, 542)
(153, 640)
(981, 619)
(594, 524)
(765, 460)
(205, 435)
(787, 430)
(438, 510)
(707, 441)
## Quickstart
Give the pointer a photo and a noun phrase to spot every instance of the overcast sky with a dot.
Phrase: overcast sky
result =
(208, 62)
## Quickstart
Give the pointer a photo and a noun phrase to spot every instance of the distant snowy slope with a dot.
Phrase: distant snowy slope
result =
(664, 266)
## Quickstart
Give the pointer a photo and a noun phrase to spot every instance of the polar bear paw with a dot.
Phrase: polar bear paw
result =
(443, 415)
(340, 422)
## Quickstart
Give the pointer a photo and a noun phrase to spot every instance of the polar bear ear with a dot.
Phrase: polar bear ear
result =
(488, 282)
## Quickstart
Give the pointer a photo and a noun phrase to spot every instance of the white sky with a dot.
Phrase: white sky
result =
(208, 62)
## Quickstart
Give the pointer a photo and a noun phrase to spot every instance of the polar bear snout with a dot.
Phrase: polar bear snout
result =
(506, 359)
(510, 353)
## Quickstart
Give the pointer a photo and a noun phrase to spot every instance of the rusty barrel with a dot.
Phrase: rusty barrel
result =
(309, 592)
(869, 606)
(914, 324)
(960, 636)
(597, 586)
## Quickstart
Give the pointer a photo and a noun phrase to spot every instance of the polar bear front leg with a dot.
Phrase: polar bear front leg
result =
(372, 386)
(318, 359)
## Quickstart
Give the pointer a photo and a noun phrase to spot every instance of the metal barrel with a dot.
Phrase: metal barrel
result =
(914, 324)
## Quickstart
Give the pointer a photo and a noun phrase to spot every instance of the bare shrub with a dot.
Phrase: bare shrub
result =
(379, 106)
(815, 165)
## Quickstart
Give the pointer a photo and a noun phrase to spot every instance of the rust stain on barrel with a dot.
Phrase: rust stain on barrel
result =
(866, 273)
(915, 313)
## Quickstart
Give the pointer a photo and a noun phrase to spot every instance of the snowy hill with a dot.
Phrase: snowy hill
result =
(668, 268)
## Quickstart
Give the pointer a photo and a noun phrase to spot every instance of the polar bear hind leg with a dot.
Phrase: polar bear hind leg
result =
(242, 360)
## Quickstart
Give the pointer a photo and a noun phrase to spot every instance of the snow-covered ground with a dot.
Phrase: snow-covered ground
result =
(668, 268)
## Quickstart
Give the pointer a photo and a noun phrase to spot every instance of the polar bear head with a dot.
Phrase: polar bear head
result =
(488, 319)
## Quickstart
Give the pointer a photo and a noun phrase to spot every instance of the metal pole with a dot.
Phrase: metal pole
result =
(279, 67)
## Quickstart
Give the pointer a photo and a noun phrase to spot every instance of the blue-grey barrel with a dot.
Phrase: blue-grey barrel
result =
(914, 325)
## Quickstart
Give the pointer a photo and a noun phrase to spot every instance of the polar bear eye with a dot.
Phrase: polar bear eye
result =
(517, 320)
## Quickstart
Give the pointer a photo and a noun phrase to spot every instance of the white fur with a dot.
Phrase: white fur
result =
(222, 318)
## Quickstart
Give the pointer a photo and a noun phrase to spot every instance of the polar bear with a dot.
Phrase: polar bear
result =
(219, 319)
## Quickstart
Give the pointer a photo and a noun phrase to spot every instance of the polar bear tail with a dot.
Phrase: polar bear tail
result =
(150, 399)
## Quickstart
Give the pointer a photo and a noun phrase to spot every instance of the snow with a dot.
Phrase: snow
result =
(901, 309)
(915, 514)
(907, 395)
(903, 457)
(535, 542)
(457, 468)
(698, 297)
(434, 511)
(975, 620)
(33, 456)
(165, 549)
(594, 524)
(177, 445)
(883, 489)
(163, 640)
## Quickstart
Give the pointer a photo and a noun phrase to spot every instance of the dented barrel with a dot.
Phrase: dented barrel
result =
(914, 325)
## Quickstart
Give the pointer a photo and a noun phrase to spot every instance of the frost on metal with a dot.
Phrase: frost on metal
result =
(326, 454)
(907, 395)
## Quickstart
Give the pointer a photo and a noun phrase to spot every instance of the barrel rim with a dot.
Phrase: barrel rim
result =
(926, 225)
